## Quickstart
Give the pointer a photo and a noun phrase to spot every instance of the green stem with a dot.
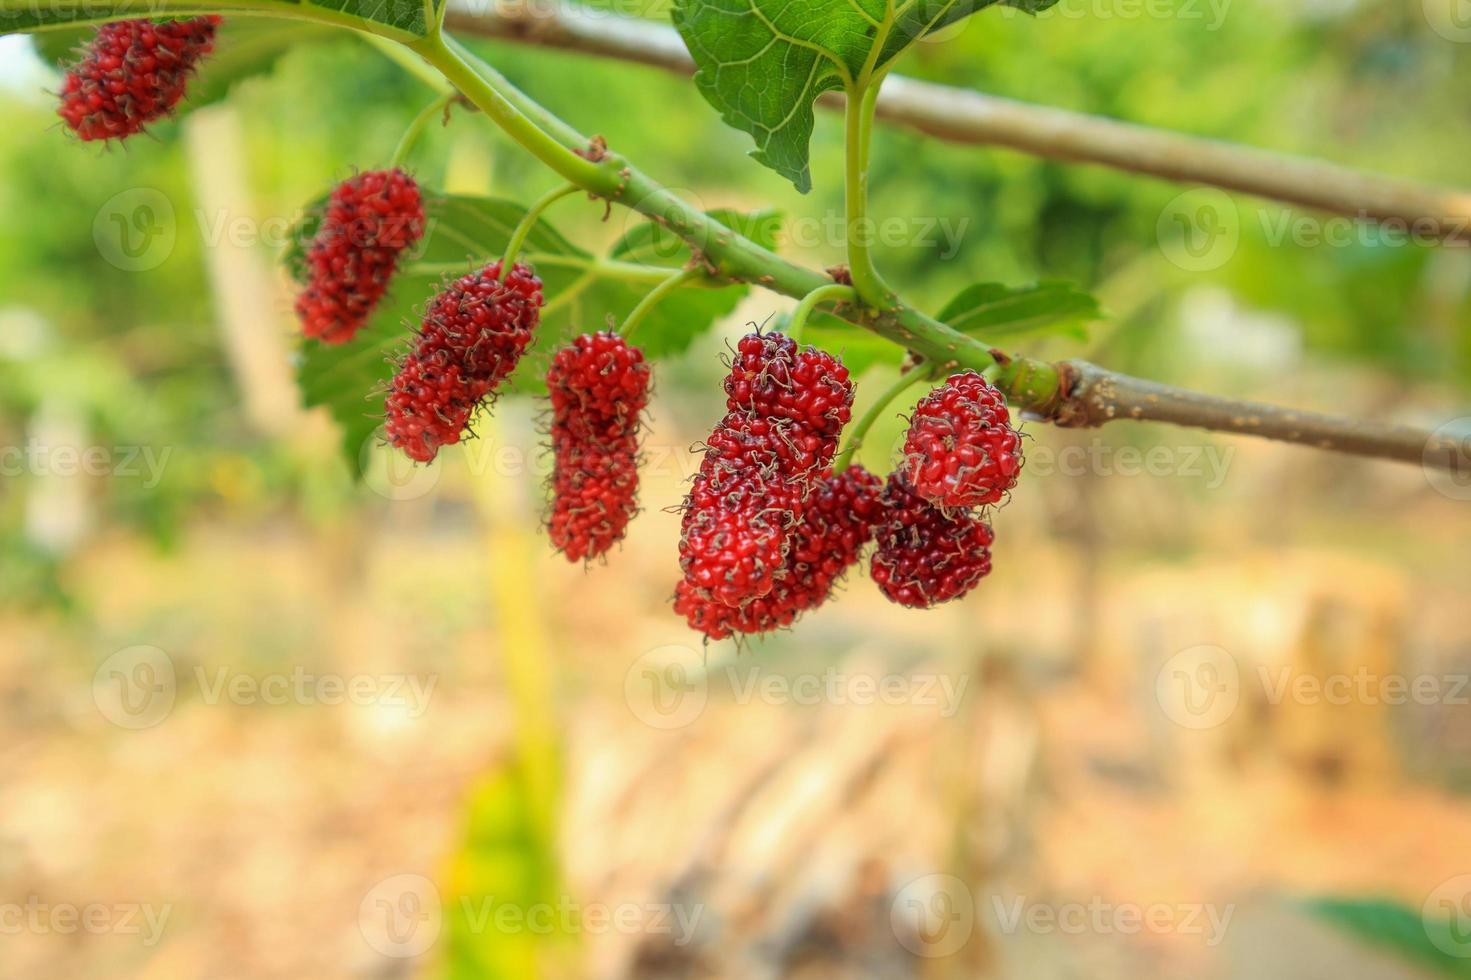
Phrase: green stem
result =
(836, 293)
(859, 432)
(859, 137)
(731, 257)
(529, 221)
(416, 128)
(655, 296)
(444, 54)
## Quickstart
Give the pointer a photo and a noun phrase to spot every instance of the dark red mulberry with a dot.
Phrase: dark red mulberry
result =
(133, 73)
(961, 450)
(927, 555)
(599, 388)
(370, 221)
(474, 332)
(786, 409)
(837, 522)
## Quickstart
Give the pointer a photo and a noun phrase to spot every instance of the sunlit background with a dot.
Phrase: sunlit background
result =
(1208, 717)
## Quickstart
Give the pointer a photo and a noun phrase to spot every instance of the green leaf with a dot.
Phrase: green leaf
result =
(997, 312)
(1400, 930)
(401, 19)
(762, 63)
(463, 233)
(244, 47)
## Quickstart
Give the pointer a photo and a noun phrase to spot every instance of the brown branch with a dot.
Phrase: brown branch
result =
(1096, 396)
(963, 116)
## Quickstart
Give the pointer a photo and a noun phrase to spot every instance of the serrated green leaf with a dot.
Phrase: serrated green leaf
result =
(244, 47)
(996, 312)
(402, 19)
(1398, 929)
(762, 63)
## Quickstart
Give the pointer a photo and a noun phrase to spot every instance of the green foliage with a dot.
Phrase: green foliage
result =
(1012, 313)
(506, 863)
(1398, 930)
(763, 63)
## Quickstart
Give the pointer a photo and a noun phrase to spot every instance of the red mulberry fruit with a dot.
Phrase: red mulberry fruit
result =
(837, 522)
(927, 555)
(133, 73)
(370, 220)
(961, 450)
(474, 332)
(599, 388)
(786, 409)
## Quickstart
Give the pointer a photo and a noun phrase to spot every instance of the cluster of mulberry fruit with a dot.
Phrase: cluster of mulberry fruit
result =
(960, 454)
(837, 522)
(599, 387)
(785, 409)
(370, 220)
(133, 72)
(474, 332)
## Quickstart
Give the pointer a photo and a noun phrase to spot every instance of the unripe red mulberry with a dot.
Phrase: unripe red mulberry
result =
(927, 555)
(837, 522)
(473, 333)
(961, 450)
(370, 220)
(131, 74)
(786, 410)
(599, 388)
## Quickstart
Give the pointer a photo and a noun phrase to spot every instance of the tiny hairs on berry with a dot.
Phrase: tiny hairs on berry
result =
(785, 410)
(474, 332)
(370, 220)
(599, 387)
(926, 554)
(837, 522)
(133, 72)
(961, 450)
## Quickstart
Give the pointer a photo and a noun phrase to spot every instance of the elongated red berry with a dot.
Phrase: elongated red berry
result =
(132, 73)
(836, 523)
(370, 220)
(786, 409)
(474, 332)
(927, 555)
(599, 387)
(961, 450)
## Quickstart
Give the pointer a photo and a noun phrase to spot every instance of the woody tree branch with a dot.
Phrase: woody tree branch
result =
(1070, 393)
(968, 117)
